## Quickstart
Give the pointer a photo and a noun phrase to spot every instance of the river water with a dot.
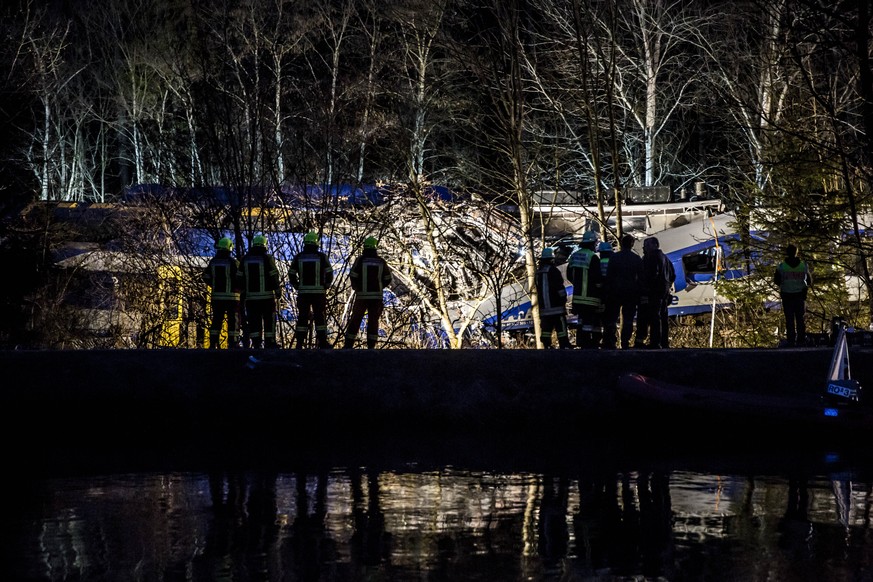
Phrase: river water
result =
(568, 516)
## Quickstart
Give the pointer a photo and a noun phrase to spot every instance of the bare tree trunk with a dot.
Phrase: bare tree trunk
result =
(515, 118)
(374, 37)
(865, 89)
(592, 115)
(278, 135)
(418, 32)
(651, 45)
(613, 129)
(336, 36)
(46, 149)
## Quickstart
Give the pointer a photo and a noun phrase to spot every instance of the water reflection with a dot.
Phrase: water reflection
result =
(445, 524)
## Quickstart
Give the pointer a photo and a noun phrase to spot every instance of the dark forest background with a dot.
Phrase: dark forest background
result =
(766, 105)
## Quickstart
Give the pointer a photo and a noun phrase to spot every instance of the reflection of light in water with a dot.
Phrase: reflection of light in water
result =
(719, 490)
(843, 497)
(451, 519)
(529, 528)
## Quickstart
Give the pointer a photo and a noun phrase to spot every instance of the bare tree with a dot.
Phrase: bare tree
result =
(575, 75)
(793, 90)
(750, 69)
(44, 46)
(495, 58)
(835, 65)
(418, 26)
(373, 30)
(657, 49)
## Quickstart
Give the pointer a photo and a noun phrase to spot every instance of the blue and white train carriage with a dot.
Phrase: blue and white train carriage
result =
(700, 251)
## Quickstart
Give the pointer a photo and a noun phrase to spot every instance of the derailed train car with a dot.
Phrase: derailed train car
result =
(696, 236)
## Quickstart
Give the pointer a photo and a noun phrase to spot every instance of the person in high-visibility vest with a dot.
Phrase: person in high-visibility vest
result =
(370, 275)
(222, 276)
(311, 274)
(262, 292)
(604, 252)
(583, 272)
(552, 296)
(794, 279)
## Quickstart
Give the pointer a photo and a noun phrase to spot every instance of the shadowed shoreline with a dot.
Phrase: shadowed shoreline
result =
(132, 404)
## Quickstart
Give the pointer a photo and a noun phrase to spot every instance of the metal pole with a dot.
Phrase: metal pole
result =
(714, 281)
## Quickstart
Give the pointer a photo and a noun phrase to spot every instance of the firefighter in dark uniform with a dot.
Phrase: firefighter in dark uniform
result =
(583, 272)
(261, 289)
(553, 301)
(793, 278)
(222, 276)
(369, 276)
(311, 274)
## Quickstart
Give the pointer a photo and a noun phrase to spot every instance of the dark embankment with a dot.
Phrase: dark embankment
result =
(135, 404)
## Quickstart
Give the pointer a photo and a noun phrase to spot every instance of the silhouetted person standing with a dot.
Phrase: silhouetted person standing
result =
(622, 293)
(370, 275)
(222, 276)
(370, 542)
(553, 301)
(793, 278)
(311, 274)
(261, 289)
(309, 545)
(604, 252)
(553, 530)
(657, 284)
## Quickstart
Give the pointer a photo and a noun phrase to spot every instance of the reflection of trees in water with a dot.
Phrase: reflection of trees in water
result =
(370, 543)
(627, 531)
(552, 531)
(795, 528)
(242, 533)
(656, 524)
(366, 524)
(309, 549)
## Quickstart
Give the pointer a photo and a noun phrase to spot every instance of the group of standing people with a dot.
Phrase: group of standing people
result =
(611, 287)
(608, 286)
(249, 290)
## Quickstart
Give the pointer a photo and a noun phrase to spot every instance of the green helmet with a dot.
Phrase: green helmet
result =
(311, 238)
(259, 241)
(224, 244)
(370, 242)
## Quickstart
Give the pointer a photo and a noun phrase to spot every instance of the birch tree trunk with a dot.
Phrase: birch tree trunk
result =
(417, 31)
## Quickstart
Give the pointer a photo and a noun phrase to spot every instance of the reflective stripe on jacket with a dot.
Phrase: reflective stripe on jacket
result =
(221, 275)
(550, 290)
(583, 271)
(370, 275)
(261, 276)
(793, 278)
(311, 272)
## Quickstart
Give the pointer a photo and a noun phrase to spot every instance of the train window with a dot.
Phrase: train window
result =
(700, 262)
(700, 266)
